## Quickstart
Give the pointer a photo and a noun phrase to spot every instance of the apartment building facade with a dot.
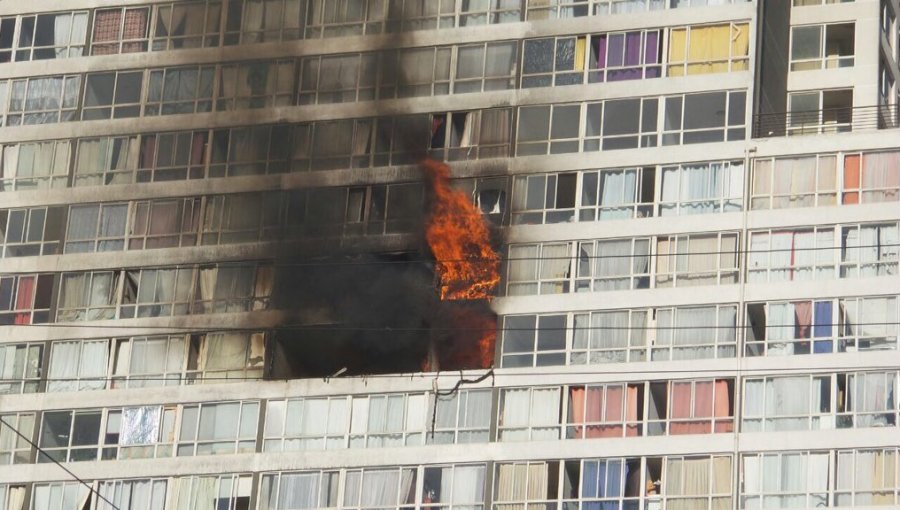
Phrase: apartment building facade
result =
(695, 203)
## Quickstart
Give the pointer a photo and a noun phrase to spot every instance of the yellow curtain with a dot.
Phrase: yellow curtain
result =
(677, 43)
(580, 45)
(740, 46)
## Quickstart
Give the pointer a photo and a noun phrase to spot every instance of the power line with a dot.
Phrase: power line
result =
(61, 466)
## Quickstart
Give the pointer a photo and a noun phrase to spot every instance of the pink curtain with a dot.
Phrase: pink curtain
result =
(602, 412)
(803, 318)
(722, 411)
(24, 299)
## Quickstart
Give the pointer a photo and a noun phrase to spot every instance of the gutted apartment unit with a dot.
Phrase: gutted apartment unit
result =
(221, 289)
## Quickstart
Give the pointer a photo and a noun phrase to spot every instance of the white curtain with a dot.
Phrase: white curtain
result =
(555, 262)
(514, 415)
(64, 357)
(618, 191)
(787, 405)
(613, 264)
(380, 488)
(225, 351)
(468, 486)
(297, 491)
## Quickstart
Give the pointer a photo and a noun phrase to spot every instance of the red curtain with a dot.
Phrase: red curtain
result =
(24, 299)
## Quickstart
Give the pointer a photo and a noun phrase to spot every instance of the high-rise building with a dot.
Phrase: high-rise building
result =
(228, 277)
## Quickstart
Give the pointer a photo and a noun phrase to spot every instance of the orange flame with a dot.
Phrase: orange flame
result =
(459, 238)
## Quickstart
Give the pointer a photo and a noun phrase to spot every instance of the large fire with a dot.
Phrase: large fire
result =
(465, 261)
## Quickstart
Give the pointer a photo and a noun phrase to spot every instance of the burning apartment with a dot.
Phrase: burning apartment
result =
(449, 254)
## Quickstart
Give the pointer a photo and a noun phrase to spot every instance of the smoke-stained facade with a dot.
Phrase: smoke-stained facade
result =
(449, 254)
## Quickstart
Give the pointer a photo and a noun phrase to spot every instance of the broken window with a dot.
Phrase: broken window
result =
(78, 365)
(163, 223)
(120, 30)
(171, 156)
(218, 428)
(241, 218)
(258, 21)
(44, 100)
(782, 183)
(13, 448)
(702, 188)
(705, 117)
(237, 355)
(529, 414)
(96, 227)
(709, 49)
(553, 61)
(112, 95)
(415, 72)
(257, 84)
(338, 78)
(871, 177)
(788, 255)
(30, 232)
(38, 165)
(177, 90)
(192, 24)
(822, 46)
(485, 67)
(21, 367)
(620, 56)
(106, 160)
(43, 36)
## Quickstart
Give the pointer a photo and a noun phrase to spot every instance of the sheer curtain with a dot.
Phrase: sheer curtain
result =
(617, 194)
(63, 372)
(787, 405)
(296, 491)
(514, 414)
(555, 262)
(613, 264)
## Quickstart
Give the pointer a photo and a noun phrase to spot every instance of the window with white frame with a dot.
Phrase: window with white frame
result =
(306, 424)
(805, 181)
(177, 90)
(462, 417)
(485, 66)
(252, 21)
(869, 250)
(534, 340)
(43, 36)
(552, 129)
(604, 410)
(408, 15)
(38, 165)
(783, 328)
(388, 420)
(697, 259)
(868, 323)
(71, 436)
(785, 480)
(139, 494)
(257, 84)
(223, 492)
(376, 210)
(789, 255)
(695, 407)
(87, 296)
(698, 482)
(301, 489)
(42, 100)
(544, 268)
(704, 49)
(457, 486)
(56, 496)
(544, 198)
(32, 231)
(148, 361)
(705, 117)
(867, 400)
(112, 95)
(701, 188)
(191, 24)
(615, 194)
(163, 223)
(240, 218)
(605, 482)
(120, 30)
(621, 124)
(826, 46)
(25, 299)
(21, 366)
(529, 414)
(695, 332)
(866, 477)
(795, 402)
(78, 365)
(218, 428)
(106, 160)
(15, 449)
(615, 264)
(96, 227)
(477, 134)
(156, 292)
(613, 336)
(871, 177)
(336, 18)
(171, 156)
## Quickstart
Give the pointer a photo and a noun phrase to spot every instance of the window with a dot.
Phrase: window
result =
(621, 124)
(788, 403)
(38, 165)
(485, 67)
(822, 46)
(529, 414)
(336, 18)
(525, 485)
(106, 160)
(869, 250)
(379, 488)
(802, 254)
(158, 292)
(57, 496)
(709, 49)
(257, 21)
(613, 265)
(30, 232)
(388, 420)
(782, 183)
(616, 194)
(553, 61)
(531, 340)
(871, 177)
(867, 400)
(868, 323)
(120, 30)
(143, 493)
(258, 84)
(306, 424)
(115, 95)
(473, 13)
(700, 407)
(218, 428)
(78, 365)
(96, 227)
(44, 100)
(785, 480)
(702, 188)
(376, 210)
(139, 433)
(453, 487)
(223, 492)
(697, 259)
(227, 355)
(413, 72)
(698, 482)
(338, 78)
(604, 410)
(701, 118)
(544, 198)
(552, 129)
(462, 417)
(866, 477)
(549, 9)
(820, 111)
(163, 223)
(43, 36)
(21, 368)
(695, 332)
(790, 327)
(70, 436)
(13, 448)
(614, 336)
(171, 156)
(25, 299)
(539, 269)
(304, 489)
(149, 361)
(469, 135)
(256, 150)
(233, 288)
(240, 218)
(88, 296)
(192, 24)
(620, 56)
(180, 90)
(407, 15)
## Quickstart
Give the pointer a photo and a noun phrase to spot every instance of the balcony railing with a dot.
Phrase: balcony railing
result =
(827, 120)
